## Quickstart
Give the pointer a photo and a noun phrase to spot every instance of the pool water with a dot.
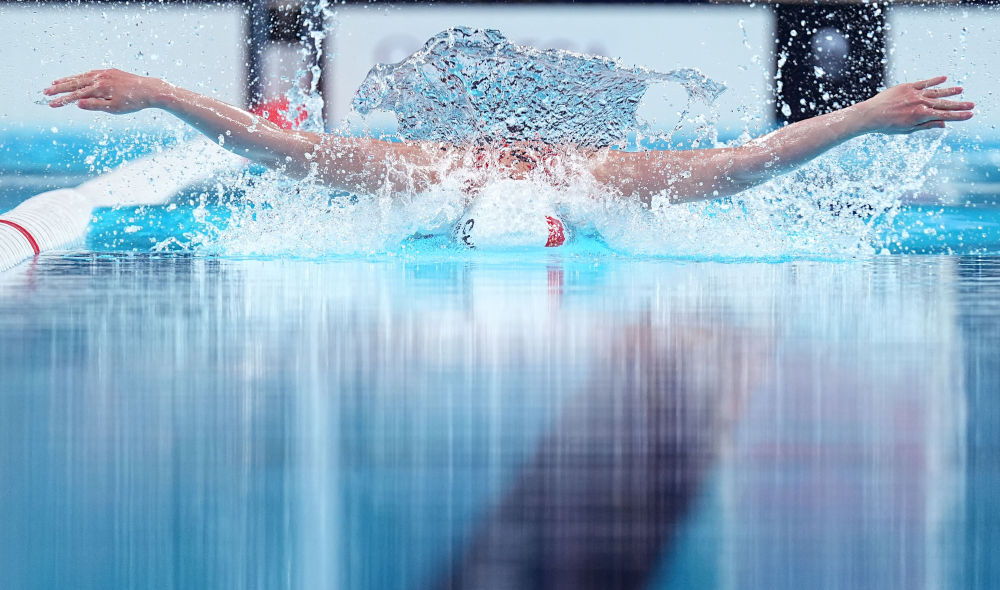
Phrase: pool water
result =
(565, 418)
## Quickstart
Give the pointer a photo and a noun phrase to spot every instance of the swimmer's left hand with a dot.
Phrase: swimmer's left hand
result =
(112, 91)
(913, 106)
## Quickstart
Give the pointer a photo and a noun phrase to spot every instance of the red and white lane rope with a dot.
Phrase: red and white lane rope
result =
(59, 218)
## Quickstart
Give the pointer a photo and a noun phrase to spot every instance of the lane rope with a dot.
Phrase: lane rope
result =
(27, 235)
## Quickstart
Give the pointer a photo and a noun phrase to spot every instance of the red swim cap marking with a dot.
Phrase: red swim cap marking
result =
(557, 237)
(27, 235)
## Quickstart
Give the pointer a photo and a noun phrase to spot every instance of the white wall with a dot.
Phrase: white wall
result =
(197, 46)
(730, 44)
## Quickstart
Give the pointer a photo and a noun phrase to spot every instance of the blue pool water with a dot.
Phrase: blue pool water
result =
(428, 417)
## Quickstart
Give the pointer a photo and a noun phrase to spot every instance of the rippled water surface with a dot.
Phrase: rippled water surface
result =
(192, 422)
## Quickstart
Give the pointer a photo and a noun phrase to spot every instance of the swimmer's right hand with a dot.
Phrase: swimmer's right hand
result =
(112, 91)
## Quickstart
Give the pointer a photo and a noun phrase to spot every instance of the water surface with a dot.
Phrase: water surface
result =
(181, 421)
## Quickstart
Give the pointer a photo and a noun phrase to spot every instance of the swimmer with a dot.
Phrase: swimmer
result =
(368, 165)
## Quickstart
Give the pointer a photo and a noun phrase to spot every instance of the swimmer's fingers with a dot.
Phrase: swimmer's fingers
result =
(950, 105)
(951, 115)
(922, 84)
(942, 92)
(929, 125)
(66, 79)
(91, 91)
(95, 104)
(940, 117)
(67, 86)
(70, 83)
(86, 75)
(68, 98)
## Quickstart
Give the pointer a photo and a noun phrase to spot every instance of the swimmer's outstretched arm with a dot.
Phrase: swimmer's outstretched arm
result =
(353, 164)
(691, 175)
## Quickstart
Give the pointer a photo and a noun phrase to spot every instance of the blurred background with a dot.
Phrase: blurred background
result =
(779, 61)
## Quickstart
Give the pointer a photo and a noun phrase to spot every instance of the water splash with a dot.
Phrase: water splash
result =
(475, 86)
(470, 86)
(837, 206)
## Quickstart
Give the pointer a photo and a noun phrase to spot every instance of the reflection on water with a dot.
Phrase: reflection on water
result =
(200, 423)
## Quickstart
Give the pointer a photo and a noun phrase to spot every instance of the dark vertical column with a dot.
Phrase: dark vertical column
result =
(827, 57)
(258, 36)
(288, 23)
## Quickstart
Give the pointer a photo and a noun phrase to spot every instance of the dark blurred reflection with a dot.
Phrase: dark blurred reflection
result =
(180, 422)
(601, 500)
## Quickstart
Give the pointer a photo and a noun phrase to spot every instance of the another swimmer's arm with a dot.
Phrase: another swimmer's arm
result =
(705, 174)
(345, 163)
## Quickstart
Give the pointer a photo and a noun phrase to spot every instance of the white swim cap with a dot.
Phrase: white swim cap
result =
(506, 215)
